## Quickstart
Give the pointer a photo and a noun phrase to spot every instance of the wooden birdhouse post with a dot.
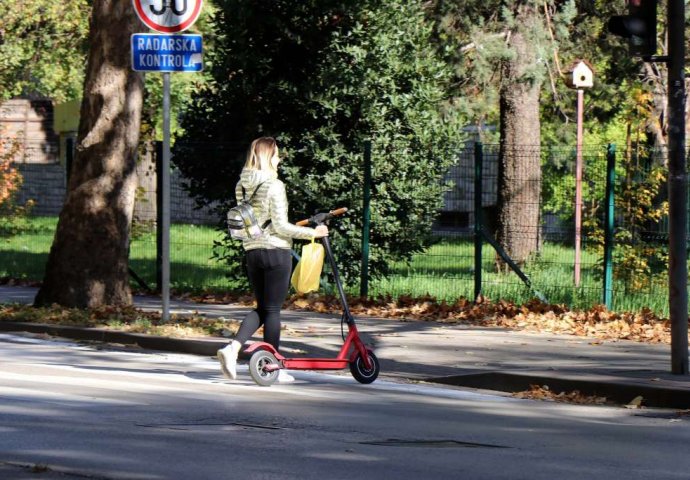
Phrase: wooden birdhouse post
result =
(579, 76)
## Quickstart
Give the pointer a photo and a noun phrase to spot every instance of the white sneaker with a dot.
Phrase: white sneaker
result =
(284, 376)
(228, 362)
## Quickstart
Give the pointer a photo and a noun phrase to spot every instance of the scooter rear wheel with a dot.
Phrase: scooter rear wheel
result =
(360, 371)
(257, 368)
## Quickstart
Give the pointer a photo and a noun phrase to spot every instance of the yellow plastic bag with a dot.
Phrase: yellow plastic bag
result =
(307, 273)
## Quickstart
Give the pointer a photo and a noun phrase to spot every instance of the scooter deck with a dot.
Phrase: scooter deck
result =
(315, 363)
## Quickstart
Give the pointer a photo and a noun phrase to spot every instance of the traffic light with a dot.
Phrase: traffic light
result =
(639, 27)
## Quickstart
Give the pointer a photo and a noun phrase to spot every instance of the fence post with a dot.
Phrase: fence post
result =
(69, 158)
(366, 221)
(609, 224)
(478, 218)
(159, 220)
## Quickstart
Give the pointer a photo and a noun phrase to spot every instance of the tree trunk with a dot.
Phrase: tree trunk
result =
(519, 175)
(88, 261)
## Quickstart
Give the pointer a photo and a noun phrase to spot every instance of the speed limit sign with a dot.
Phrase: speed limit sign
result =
(168, 16)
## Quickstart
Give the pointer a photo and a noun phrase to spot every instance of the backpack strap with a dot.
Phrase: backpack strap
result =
(247, 200)
(244, 192)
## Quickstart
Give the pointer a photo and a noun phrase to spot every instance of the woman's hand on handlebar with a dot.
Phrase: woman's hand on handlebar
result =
(321, 231)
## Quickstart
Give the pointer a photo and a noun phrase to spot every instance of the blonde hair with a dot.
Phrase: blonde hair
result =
(263, 154)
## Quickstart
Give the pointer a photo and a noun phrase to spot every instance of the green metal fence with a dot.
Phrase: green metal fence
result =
(623, 247)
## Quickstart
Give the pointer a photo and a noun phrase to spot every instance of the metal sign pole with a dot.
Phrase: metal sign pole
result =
(165, 193)
(166, 53)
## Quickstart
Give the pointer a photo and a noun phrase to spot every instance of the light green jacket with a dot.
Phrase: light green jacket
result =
(270, 202)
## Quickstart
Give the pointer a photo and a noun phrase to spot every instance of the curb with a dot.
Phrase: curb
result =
(614, 389)
(152, 342)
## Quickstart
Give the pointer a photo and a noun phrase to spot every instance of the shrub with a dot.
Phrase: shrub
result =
(12, 216)
(325, 79)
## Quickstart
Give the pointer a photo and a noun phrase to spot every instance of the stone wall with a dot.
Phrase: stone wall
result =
(45, 184)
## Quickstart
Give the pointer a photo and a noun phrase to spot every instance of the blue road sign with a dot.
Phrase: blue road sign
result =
(166, 53)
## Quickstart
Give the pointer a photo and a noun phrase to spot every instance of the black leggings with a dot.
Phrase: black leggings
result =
(269, 274)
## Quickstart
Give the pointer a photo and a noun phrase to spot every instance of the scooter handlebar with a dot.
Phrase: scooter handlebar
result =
(321, 218)
(337, 212)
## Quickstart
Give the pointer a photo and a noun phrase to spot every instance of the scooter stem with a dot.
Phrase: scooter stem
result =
(343, 300)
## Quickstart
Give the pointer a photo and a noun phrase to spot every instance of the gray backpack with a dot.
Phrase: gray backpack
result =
(242, 222)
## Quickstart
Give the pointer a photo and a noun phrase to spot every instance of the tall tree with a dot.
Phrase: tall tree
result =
(519, 168)
(87, 265)
(506, 49)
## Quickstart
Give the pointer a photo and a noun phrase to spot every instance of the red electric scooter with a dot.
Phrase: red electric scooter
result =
(265, 361)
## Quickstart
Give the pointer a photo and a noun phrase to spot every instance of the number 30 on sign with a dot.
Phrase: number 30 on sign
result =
(168, 16)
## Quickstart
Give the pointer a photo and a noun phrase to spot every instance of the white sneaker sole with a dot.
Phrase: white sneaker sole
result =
(226, 365)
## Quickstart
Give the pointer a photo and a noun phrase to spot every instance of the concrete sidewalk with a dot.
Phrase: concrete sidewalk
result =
(485, 358)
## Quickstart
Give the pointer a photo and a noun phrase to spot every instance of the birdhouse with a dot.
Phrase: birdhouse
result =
(580, 75)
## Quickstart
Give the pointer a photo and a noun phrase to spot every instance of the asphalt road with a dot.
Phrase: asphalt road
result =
(71, 411)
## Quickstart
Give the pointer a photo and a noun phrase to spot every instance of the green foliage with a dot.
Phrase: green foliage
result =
(12, 216)
(474, 35)
(229, 253)
(563, 32)
(43, 51)
(14, 219)
(640, 205)
(640, 256)
(42, 48)
(621, 83)
(324, 77)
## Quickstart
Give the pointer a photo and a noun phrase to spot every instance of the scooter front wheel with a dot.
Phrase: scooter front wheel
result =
(257, 368)
(359, 370)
